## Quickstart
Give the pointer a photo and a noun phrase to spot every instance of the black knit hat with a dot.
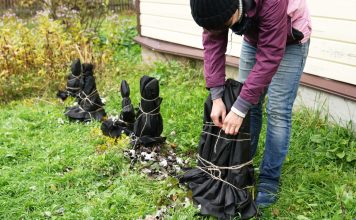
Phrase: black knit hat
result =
(212, 14)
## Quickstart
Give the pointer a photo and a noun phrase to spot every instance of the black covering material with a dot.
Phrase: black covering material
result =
(114, 127)
(223, 191)
(73, 81)
(89, 103)
(148, 126)
(128, 112)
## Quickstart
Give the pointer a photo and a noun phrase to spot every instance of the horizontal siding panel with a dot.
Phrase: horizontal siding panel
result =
(341, 9)
(333, 51)
(166, 10)
(174, 37)
(235, 38)
(332, 29)
(336, 71)
(233, 49)
(172, 24)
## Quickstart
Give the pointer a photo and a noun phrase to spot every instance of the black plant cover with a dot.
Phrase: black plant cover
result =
(89, 103)
(115, 127)
(128, 112)
(148, 126)
(223, 192)
(73, 81)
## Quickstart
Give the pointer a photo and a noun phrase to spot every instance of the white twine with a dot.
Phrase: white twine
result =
(74, 77)
(150, 100)
(87, 98)
(144, 125)
(73, 88)
(83, 111)
(217, 140)
(89, 112)
(122, 121)
(228, 139)
(212, 168)
(211, 124)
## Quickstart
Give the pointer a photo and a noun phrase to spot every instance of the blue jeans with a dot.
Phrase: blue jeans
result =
(281, 95)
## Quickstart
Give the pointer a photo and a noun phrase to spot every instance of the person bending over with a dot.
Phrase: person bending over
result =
(274, 51)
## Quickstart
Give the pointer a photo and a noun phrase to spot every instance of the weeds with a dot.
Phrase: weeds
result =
(35, 53)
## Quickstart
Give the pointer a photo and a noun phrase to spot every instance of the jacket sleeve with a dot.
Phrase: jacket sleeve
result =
(214, 44)
(272, 37)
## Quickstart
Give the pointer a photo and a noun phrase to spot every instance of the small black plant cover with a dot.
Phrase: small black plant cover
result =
(73, 81)
(115, 127)
(128, 112)
(89, 103)
(148, 126)
(222, 192)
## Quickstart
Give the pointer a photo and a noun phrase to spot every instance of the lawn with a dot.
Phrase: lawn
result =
(53, 168)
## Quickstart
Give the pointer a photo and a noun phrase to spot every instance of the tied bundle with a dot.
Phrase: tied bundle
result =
(90, 106)
(114, 127)
(148, 126)
(221, 181)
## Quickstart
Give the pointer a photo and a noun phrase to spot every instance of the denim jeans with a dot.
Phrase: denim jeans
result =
(281, 95)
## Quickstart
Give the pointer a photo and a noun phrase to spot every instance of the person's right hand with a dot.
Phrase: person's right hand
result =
(218, 112)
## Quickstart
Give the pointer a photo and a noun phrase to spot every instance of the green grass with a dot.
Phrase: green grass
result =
(71, 171)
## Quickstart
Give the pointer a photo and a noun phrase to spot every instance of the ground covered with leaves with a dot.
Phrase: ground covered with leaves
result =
(53, 168)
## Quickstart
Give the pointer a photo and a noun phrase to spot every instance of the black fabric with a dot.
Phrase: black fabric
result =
(89, 103)
(114, 128)
(241, 27)
(125, 122)
(212, 14)
(73, 81)
(296, 36)
(128, 112)
(148, 126)
(216, 197)
(246, 22)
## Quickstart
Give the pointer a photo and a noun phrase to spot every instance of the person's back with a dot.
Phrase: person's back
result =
(298, 19)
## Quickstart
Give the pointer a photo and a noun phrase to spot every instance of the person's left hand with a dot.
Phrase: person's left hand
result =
(232, 123)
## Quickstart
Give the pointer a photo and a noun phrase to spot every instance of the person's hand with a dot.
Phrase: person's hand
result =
(232, 123)
(218, 112)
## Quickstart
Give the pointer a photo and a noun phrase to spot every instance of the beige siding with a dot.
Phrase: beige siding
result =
(333, 44)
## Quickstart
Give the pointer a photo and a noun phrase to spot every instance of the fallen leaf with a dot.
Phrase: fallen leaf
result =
(275, 212)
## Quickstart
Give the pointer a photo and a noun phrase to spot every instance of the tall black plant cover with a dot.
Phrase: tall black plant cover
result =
(148, 126)
(125, 122)
(89, 103)
(73, 81)
(224, 173)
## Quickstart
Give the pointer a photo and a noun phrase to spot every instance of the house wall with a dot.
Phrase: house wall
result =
(332, 52)
(333, 44)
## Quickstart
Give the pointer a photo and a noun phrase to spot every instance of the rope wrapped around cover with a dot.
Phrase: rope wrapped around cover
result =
(90, 106)
(148, 126)
(73, 85)
(221, 181)
(114, 127)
